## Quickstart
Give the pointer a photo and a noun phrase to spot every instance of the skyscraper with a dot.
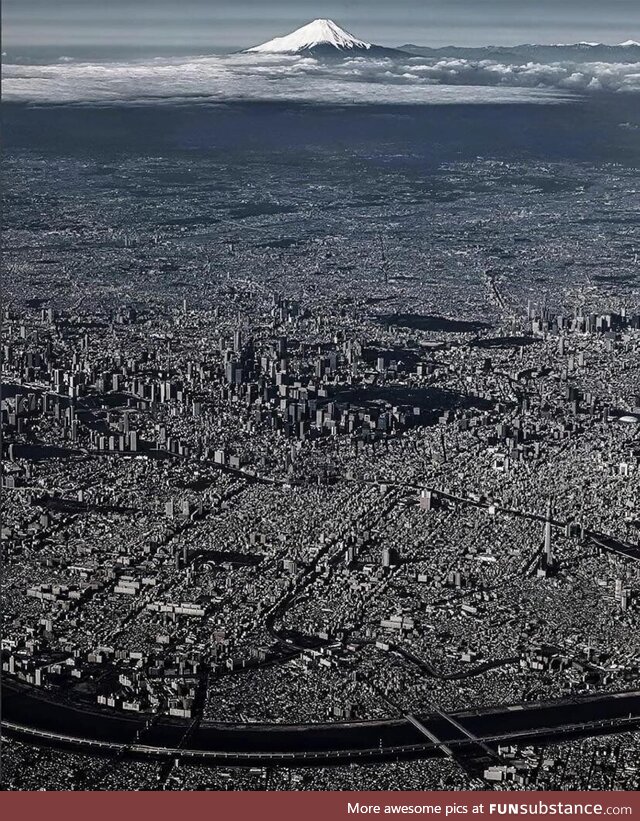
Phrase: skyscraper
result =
(548, 548)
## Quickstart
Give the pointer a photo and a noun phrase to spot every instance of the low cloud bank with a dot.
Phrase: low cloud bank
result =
(275, 77)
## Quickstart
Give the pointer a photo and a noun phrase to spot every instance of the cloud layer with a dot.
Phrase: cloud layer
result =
(275, 77)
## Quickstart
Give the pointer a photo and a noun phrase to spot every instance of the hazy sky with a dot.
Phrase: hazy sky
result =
(228, 24)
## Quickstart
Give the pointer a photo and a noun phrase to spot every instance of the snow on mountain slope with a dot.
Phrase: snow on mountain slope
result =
(319, 33)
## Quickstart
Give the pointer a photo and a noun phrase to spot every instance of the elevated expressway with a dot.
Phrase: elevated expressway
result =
(28, 715)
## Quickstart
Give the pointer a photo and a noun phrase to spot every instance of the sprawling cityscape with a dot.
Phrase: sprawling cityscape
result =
(319, 471)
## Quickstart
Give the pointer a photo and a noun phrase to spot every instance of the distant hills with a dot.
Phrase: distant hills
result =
(628, 52)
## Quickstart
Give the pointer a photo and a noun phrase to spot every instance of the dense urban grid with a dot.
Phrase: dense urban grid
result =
(320, 454)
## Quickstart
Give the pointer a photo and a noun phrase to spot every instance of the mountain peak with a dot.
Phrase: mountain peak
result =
(319, 35)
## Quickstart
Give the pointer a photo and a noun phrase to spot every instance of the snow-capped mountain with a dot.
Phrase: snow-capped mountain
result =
(321, 37)
(325, 38)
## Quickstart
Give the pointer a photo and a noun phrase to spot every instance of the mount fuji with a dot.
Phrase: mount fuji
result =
(322, 38)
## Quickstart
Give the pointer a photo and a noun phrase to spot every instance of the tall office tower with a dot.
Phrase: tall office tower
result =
(426, 500)
(386, 557)
(548, 549)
